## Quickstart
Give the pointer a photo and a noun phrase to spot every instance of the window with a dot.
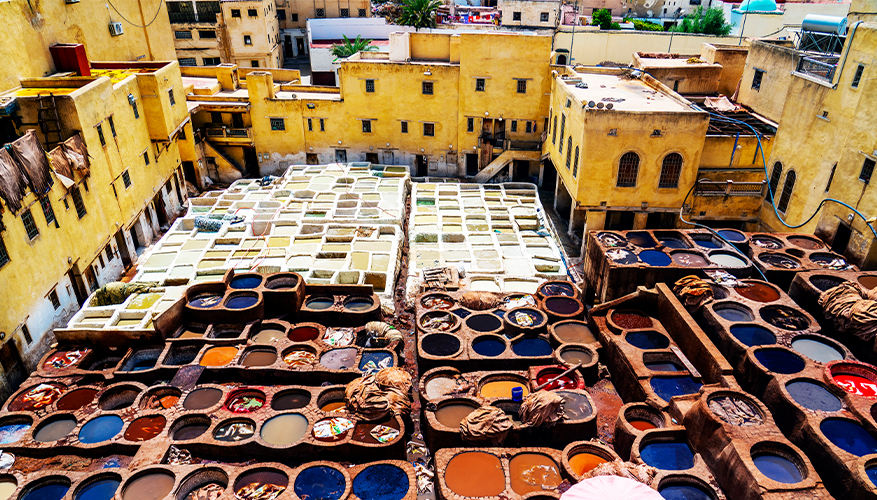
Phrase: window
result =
(48, 211)
(248, 40)
(171, 98)
(562, 130)
(293, 18)
(281, 14)
(183, 35)
(404, 127)
(109, 251)
(514, 125)
(361, 13)
(628, 168)
(25, 331)
(29, 224)
(126, 178)
(867, 170)
(310, 125)
(858, 76)
(370, 86)
(522, 86)
(345, 12)
(529, 127)
(278, 124)
(205, 34)
(479, 85)
(252, 13)
(568, 152)
(235, 12)
(575, 164)
(516, 16)
(188, 61)
(322, 124)
(554, 133)
(366, 127)
(429, 129)
(210, 61)
(675, 85)
(85, 184)
(671, 169)
(756, 80)
(470, 124)
(543, 17)
(53, 298)
(254, 63)
(100, 135)
(427, 88)
(786, 195)
(134, 108)
(830, 178)
(4, 255)
(321, 12)
(77, 201)
(774, 180)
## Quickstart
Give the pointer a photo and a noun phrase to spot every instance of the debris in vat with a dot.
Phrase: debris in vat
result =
(339, 337)
(177, 456)
(332, 427)
(383, 433)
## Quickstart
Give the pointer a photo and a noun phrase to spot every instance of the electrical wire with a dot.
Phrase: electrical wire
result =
(157, 12)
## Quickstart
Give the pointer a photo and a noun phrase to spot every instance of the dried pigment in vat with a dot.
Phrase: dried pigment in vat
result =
(641, 239)
(684, 492)
(190, 431)
(11, 433)
(152, 486)
(64, 359)
(778, 260)
(284, 430)
(234, 431)
(647, 340)
(245, 403)
(104, 489)
(339, 359)
(299, 357)
(332, 429)
(209, 491)
(780, 361)
(54, 491)
(533, 472)
(245, 282)
(8, 485)
(475, 474)
(735, 411)
(563, 305)
(574, 332)
(38, 396)
(489, 346)
(100, 429)
(563, 382)
(778, 468)
(855, 384)
(359, 304)
(483, 322)
(668, 455)
(219, 356)
(806, 243)
(268, 335)
(263, 484)
(730, 313)
(753, 335)
(451, 415)
(145, 428)
(641, 424)
(501, 389)
(144, 300)
(259, 358)
(202, 398)
(320, 483)
(575, 405)
(75, 400)
(442, 322)
(440, 344)
(631, 320)
(785, 318)
(583, 463)
(320, 303)
(759, 292)
(849, 436)
(667, 387)
(334, 406)
(55, 429)
(558, 289)
(205, 301)
(816, 350)
(381, 482)
(437, 302)
(290, 401)
(813, 396)
(303, 334)
(655, 258)
(869, 282)
(573, 357)
(532, 347)
(373, 361)
(437, 387)
(376, 432)
(674, 243)
(241, 301)
(622, 256)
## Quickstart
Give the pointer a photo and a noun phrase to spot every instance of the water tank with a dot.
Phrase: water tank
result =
(824, 24)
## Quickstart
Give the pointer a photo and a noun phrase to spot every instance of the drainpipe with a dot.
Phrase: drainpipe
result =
(734, 151)
(847, 52)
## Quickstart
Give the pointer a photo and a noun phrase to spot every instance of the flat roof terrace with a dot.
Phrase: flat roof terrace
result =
(623, 92)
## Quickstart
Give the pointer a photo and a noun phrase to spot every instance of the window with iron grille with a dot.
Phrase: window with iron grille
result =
(310, 125)
(29, 224)
(248, 40)
(188, 61)
(366, 126)
(543, 17)
(470, 124)
(321, 12)
(514, 125)
(568, 152)
(109, 251)
(575, 164)
(48, 211)
(786, 195)
(235, 12)
(182, 34)
(628, 169)
(254, 63)
(181, 12)
(775, 176)
(77, 201)
(867, 170)
(170, 96)
(671, 169)
(858, 76)
(322, 124)
(100, 135)
(206, 34)
(210, 61)
(522, 86)
(370, 86)
(293, 18)
(53, 298)
(479, 84)
(126, 178)
(361, 13)
(252, 12)
(554, 132)
(516, 16)
(404, 127)
(345, 12)
(427, 88)
(429, 129)
(25, 332)
(278, 124)
(207, 11)
(756, 79)
(529, 127)
(4, 255)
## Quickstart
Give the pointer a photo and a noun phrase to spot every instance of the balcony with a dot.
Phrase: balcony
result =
(729, 188)
(818, 67)
(229, 135)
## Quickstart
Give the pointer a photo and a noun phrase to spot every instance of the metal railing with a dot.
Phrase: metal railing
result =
(525, 145)
(822, 69)
(729, 188)
(228, 133)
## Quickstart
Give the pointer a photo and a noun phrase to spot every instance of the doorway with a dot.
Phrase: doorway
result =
(388, 158)
(340, 156)
(189, 172)
(617, 220)
(311, 159)
(521, 171)
(251, 162)
(287, 47)
(122, 245)
(841, 238)
(422, 165)
(661, 220)
(237, 120)
(134, 238)
(300, 44)
(549, 176)
(13, 367)
(160, 212)
(371, 158)
(78, 286)
(471, 164)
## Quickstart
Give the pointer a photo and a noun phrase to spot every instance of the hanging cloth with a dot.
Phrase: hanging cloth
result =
(77, 153)
(12, 182)
(33, 162)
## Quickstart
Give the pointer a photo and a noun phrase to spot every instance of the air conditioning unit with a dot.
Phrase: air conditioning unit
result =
(116, 29)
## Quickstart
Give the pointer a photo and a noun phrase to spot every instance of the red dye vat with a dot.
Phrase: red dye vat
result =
(303, 334)
(629, 320)
(857, 385)
(564, 382)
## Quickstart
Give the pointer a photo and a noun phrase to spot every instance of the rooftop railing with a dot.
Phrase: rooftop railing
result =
(729, 188)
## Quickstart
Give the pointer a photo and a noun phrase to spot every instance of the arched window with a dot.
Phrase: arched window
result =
(774, 180)
(562, 132)
(628, 168)
(575, 164)
(561, 60)
(788, 186)
(671, 168)
(568, 151)
(554, 132)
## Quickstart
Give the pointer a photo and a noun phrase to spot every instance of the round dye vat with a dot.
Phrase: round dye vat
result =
(259, 358)
(359, 304)
(320, 483)
(825, 283)
(871, 472)
(667, 387)
(711, 244)
(583, 463)
(245, 282)
(671, 242)
(758, 292)
(849, 436)
(857, 385)
(437, 302)
(641, 425)
(103, 489)
(816, 350)
(475, 474)
(564, 382)
(621, 256)
(533, 472)
(655, 258)
(283, 430)
(54, 491)
(668, 455)
(451, 415)
(339, 359)
(190, 431)
(440, 344)
(241, 301)
(785, 318)
(557, 289)
(205, 301)
(372, 361)
(780, 469)
(38, 396)
(151, 486)
(684, 492)
(574, 332)
(779, 260)
(203, 398)
(219, 356)
(733, 313)
(381, 482)
(780, 361)
(501, 389)
(441, 386)
(562, 305)
(320, 303)
(612, 239)
(75, 400)
(726, 260)
(813, 396)
(827, 260)
(647, 340)
(299, 357)
(574, 357)
(527, 317)
(145, 428)
(234, 431)
(869, 282)
(531, 347)
(260, 484)
(806, 243)
(290, 401)
(641, 239)
(631, 320)
(245, 402)
(575, 406)
(688, 259)
(11, 433)
(486, 346)
(100, 429)
(144, 364)
(55, 429)
(303, 334)
(483, 322)
(732, 235)
(64, 359)
(369, 432)
(8, 485)
(767, 242)
(753, 335)
(206, 491)
(268, 335)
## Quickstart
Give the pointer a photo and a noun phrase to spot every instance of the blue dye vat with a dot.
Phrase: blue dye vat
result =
(12, 432)
(849, 436)
(243, 282)
(780, 361)
(655, 258)
(461, 312)
(733, 314)
(499, 313)
(732, 235)
(778, 468)
(668, 456)
(813, 396)
(205, 301)
(320, 483)
(144, 364)
(99, 490)
(872, 474)
(100, 429)
(667, 387)
(241, 302)
(47, 492)
(489, 347)
(376, 357)
(647, 340)
(532, 347)
(381, 482)
(684, 492)
(752, 335)
(707, 244)
(642, 240)
(664, 367)
(674, 243)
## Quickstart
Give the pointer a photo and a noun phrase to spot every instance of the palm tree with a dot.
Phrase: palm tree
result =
(348, 48)
(419, 13)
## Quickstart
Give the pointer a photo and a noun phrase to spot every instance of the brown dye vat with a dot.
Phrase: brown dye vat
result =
(259, 358)
(437, 387)
(284, 430)
(869, 282)
(631, 320)
(573, 357)
(200, 399)
(192, 332)
(759, 292)
(437, 301)
(575, 332)
(75, 400)
(153, 486)
(806, 243)
(339, 359)
(362, 431)
(145, 428)
(290, 401)
(475, 474)
(451, 415)
(575, 406)
(688, 259)
(533, 472)
(191, 431)
(219, 356)
(245, 402)
(299, 357)
(55, 429)
(333, 406)
(159, 401)
(269, 335)
(562, 305)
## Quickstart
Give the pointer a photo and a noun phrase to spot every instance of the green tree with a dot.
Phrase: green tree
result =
(603, 19)
(419, 13)
(709, 22)
(350, 47)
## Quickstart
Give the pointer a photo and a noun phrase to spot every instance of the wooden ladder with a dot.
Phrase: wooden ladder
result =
(48, 120)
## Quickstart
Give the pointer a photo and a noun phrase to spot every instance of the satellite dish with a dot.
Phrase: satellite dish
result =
(610, 106)
(591, 104)
(599, 105)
